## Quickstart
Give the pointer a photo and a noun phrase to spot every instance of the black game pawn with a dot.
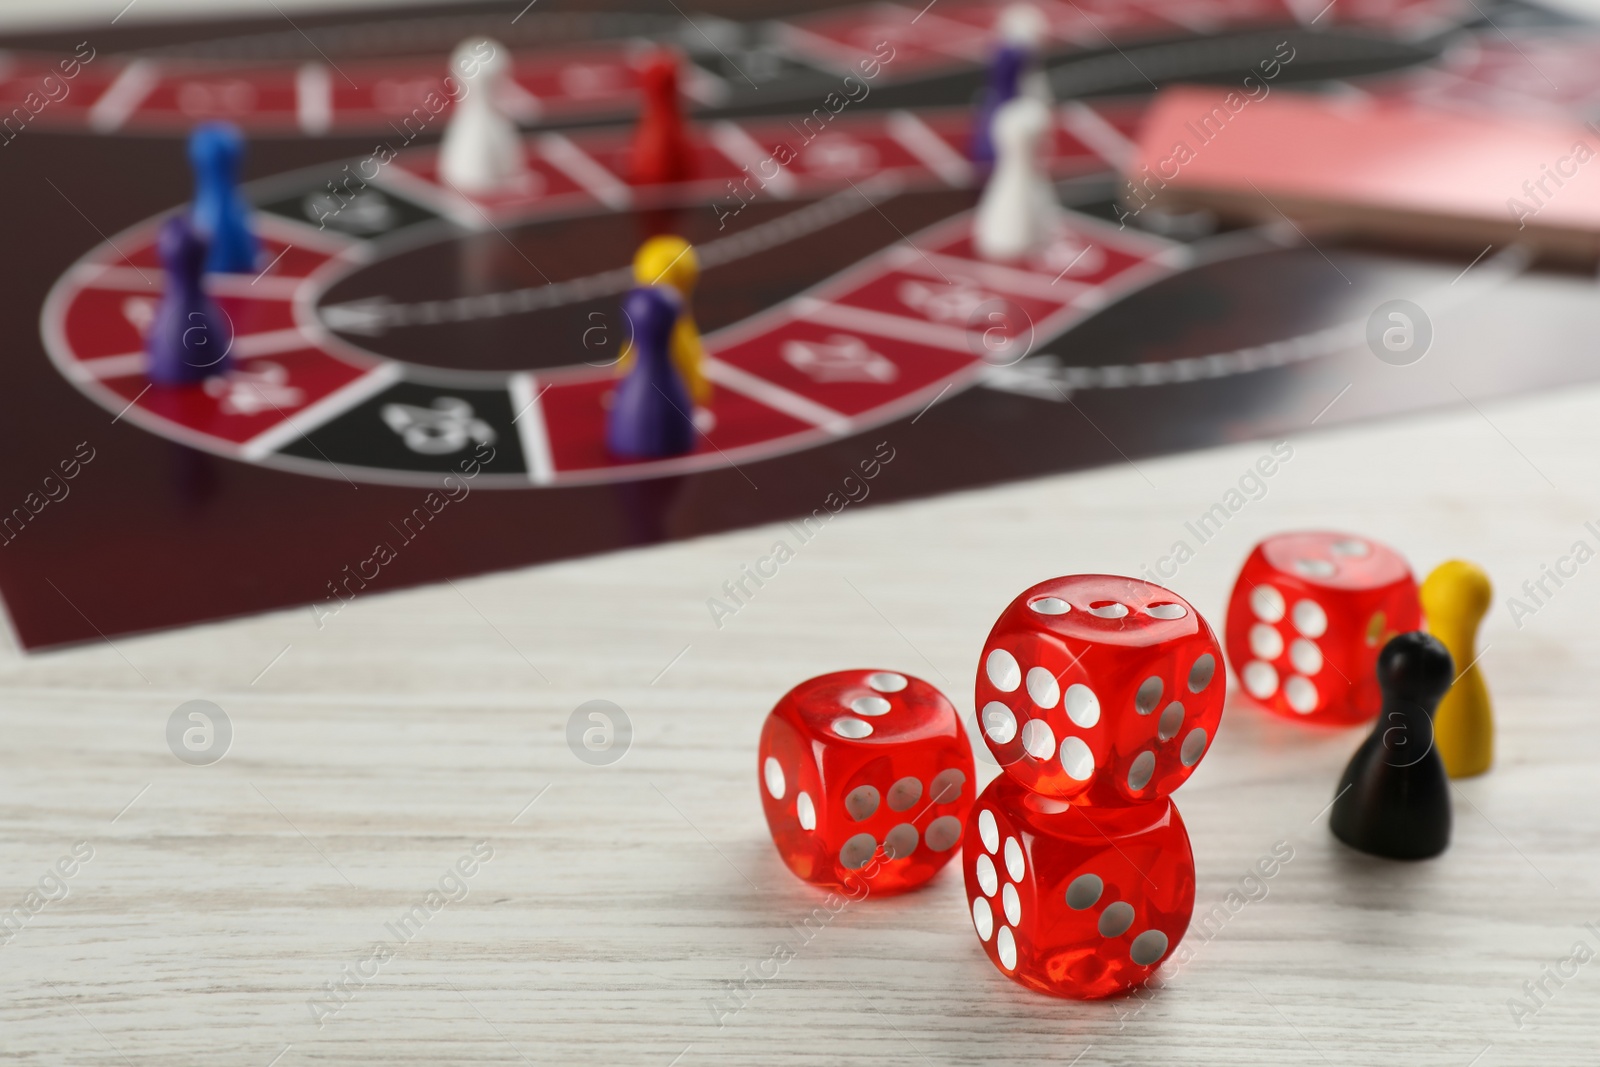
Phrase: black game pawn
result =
(1394, 797)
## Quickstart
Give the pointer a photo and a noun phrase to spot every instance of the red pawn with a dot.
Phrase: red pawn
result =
(661, 152)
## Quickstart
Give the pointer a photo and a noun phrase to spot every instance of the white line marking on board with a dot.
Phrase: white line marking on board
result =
(1178, 257)
(931, 150)
(823, 51)
(104, 276)
(560, 152)
(314, 415)
(296, 231)
(441, 198)
(277, 287)
(707, 38)
(531, 429)
(313, 99)
(274, 263)
(745, 151)
(132, 85)
(270, 341)
(777, 397)
(1090, 127)
(704, 87)
(373, 315)
(117, 366)
(1193, 21)
(884, 324)
(1086, 250)
(951, 38)
(1007, 280)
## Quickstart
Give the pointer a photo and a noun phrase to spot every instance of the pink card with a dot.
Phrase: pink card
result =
(1388, 169)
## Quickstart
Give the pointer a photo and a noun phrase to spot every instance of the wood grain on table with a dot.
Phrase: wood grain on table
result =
(275, 908)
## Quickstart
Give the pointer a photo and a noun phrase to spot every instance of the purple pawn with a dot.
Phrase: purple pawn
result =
(1005, 77)
(188, 340)
(650, 414)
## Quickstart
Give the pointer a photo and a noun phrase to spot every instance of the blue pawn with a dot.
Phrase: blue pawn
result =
(220, 214)
(188, 339)
(1005, 77)
(650, 414)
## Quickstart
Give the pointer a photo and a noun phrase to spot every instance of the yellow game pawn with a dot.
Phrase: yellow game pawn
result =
(1455, 598)
(669, 260)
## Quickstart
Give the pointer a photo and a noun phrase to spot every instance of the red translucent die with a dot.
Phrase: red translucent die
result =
(1073, 901)
(866, 776)
(1099, 689)
(1308, 617)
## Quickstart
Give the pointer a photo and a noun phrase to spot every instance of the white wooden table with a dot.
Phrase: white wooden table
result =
(621, 901)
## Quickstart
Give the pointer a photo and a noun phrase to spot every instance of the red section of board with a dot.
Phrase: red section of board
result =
(955, 299)
(230, 94)
(283, 259)
(1071, 255)
(256, 316)
(849, 371)
(107, 322)
(616, 155)
(831, 153)
(574, 418)
(258, 395)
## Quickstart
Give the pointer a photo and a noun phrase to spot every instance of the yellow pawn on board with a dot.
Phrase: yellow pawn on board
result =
(670, 261)
(1455, 598)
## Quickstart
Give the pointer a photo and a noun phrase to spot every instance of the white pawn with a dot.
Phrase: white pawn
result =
(482, 151)
(1024, 26)
(1017, 213)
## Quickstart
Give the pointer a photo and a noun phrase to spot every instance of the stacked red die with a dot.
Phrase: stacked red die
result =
(1098, 695)
(866, 778)
(1308, 617)
(1075, 901)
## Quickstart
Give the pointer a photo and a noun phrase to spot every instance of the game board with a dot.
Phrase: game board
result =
(422, 376)
(250, 80)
